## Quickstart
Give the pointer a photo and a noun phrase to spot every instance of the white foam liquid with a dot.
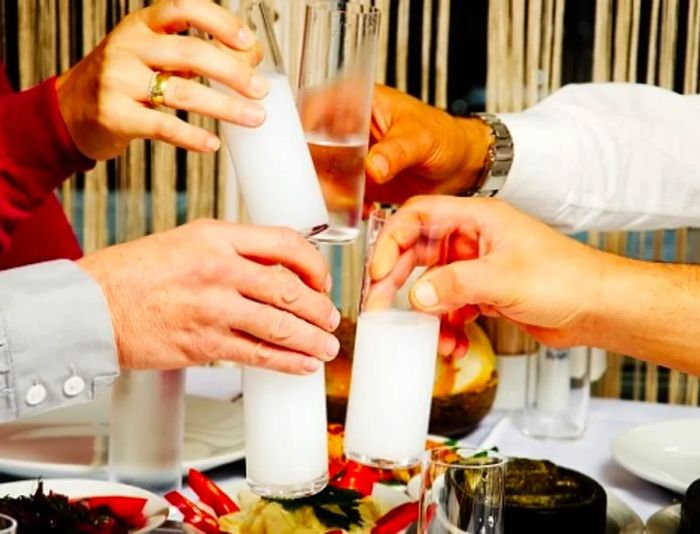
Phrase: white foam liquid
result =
(285, 431)
(393, 371)
(273, 165)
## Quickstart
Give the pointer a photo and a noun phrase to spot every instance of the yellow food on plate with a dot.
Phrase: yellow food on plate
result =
(262, 516)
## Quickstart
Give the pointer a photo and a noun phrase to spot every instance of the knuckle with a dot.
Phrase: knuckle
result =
(281, 328)
(261, 354)
(288, 288)
(181, 91)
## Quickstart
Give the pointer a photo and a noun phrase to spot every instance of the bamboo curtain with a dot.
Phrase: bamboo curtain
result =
(154, 187)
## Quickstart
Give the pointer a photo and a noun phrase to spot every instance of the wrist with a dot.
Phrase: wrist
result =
(477, 140)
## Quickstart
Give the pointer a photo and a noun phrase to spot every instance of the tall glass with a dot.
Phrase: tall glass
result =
(147, 425)
(462, 492)
(272, 162)
(336, 80)
(393, 366)
(558, 393)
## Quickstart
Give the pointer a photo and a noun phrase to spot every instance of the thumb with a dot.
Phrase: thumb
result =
(451, 287)
(400, 149)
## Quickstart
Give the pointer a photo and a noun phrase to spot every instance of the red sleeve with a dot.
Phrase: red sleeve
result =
(36, 155)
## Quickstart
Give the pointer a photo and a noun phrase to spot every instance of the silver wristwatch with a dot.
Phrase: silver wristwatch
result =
(498, 160)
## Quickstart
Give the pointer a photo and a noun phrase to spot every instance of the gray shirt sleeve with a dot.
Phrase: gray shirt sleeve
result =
(56, 339)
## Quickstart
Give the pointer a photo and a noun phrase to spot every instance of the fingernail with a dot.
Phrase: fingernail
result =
(332, 347)
(253, 115)
(329, 284)
(380, 164)
(334, 319)
(245, 37)
(213, 144)
(424, 293)
(258, 86)
(310, 364)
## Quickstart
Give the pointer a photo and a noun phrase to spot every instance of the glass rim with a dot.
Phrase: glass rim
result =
(13, 523)
(363, 11)
(501, 460)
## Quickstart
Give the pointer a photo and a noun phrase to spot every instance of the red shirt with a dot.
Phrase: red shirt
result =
(36, 155)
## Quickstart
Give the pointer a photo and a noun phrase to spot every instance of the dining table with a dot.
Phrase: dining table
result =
(591, 454)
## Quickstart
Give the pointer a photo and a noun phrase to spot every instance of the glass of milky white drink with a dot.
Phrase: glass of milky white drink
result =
(394, 360)
(336, 80)
(285, 415)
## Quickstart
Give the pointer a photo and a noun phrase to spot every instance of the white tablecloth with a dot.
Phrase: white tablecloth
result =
(590, 454)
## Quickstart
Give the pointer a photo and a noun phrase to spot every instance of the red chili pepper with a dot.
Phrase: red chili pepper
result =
(211, 494)
(128, 509)
(194, 515)
(397, 519)
(358, 477)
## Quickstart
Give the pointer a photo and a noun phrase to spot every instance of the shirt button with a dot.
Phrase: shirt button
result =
(74, 386)
(35, 395)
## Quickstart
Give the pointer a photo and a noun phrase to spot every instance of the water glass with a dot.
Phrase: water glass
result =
(7, 524)
(394, 360)
(147, 426)
(462, 492)
(336, 81)
(558, 393)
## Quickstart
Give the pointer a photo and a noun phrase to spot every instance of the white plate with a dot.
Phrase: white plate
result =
(156, 509)
(666, 453)
(665, 521)
(73, 441)
(621, 519)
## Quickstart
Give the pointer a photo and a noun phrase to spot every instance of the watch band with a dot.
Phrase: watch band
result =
(498, 160)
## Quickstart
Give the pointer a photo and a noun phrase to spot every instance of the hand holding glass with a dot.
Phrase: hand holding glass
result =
(393, 368)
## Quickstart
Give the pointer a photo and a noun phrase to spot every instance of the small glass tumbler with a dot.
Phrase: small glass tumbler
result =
(7, 524)
(147, 426)
(394, 360)
(558, 393)
(336, 83)
(462, 492)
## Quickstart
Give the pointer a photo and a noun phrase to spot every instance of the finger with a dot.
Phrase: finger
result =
(382, 294)
(286, 247)
(448, 340)
(458, 284)
(279, 287)
(401, 148)
(151, 124)
(189, 95)
(284, 329)
(244, 349)
(174, 16)
(409, 228)
(176, 53)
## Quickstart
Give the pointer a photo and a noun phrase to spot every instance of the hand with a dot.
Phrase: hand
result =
(500, 262)
(211, 290)
(418, 149)
(104, 99)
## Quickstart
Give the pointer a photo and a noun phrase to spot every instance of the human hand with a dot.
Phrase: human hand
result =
(419, 149)
(212, 290)
(105, 100)
(500, 262)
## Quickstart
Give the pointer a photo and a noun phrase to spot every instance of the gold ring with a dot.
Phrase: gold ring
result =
(156, 89)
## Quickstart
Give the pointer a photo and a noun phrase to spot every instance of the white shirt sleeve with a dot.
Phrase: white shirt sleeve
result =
(56, 341)
(608, 157)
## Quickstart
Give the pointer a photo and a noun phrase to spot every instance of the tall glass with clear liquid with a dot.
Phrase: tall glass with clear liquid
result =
(336, 80)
